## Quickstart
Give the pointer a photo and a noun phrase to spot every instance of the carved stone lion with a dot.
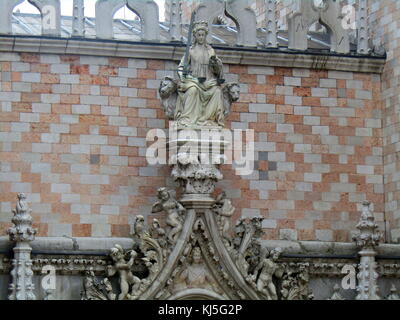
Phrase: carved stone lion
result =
(231, 93)
(168, 91)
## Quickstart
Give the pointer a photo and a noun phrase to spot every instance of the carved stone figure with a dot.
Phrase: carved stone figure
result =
(231, 94)
(200, 94)
(174, 212)
(168, 91)
(295, 285)
(247, 245)
(123, 268)
(92, 289)
(159, 234)
(139, 228)
(264, 272)
(109, 289)
(196, 274)
(224, 208)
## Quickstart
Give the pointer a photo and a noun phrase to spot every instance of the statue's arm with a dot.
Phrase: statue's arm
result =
(157, 207)
(216, 64)
(132, 259)
(181, 209)
(181, 67)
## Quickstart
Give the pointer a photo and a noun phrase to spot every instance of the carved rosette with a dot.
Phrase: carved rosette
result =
(22, 233)
(368, 238)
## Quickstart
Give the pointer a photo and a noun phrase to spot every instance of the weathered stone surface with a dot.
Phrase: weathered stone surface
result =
(329, 14)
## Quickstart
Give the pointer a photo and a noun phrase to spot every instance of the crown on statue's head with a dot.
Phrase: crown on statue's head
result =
(200, 25)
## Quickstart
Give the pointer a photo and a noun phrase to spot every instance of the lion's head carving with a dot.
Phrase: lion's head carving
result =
(169, 94)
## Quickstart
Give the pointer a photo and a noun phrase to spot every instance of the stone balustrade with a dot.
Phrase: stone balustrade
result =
(303, 15)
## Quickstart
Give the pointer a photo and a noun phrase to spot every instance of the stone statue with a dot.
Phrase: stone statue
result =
(109, 289)
(139, 228)
(231, 94)
(295, 285)
(196, 274)
(174, 211)
(158, 233)
(266, 269)
(169, 95)
(92, 289)
(126, 278)
(200, 101)
(224, 208)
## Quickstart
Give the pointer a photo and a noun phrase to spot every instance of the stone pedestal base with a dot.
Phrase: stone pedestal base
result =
(197, 154)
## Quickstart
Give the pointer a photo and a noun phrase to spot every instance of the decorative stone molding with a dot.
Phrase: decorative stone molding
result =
(51, 16)
(78, 19)
(146, 10)
(197, 180)
(175, 20)
(22, 233)
(362, 28)
(328, 12)
(6, 15)
(367, 240)
(174, 52)
(270, 12)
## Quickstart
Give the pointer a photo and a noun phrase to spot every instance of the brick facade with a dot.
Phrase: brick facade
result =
(73, 137)
(385, 27)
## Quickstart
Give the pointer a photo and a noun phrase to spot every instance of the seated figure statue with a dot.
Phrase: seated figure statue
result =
(198, 97)
(200, 101)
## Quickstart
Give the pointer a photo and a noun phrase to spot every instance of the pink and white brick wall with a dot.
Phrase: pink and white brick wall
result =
(73, 138)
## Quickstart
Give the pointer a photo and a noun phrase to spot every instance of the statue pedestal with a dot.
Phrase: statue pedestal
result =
(196, 154)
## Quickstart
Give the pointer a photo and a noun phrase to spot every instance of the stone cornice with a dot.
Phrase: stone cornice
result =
(174, 51)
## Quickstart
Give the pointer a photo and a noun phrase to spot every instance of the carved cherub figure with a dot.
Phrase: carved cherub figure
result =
(174, 211)
(126, 278)
(139, 228)
(158, 233)
(267, 268)
(21, 204)
(108, 287)
(224, 208)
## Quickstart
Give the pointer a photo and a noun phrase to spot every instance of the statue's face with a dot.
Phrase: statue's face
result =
(166, 86)
(164, 195)
(196, 257)
(276, 256)
(235, 93)
(201, 36)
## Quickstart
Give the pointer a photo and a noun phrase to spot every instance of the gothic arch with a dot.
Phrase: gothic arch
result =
(196, 294)
(148, 14)
(6, 15)
(50, 11)
(330, 16)
(245, 19)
